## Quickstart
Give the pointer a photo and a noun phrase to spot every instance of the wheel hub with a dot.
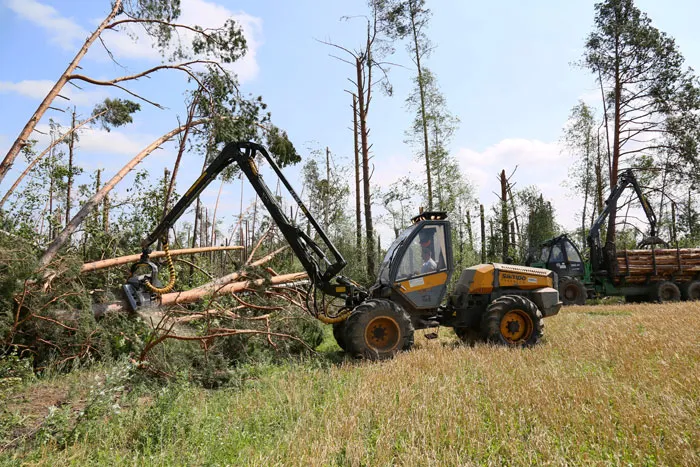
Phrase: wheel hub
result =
(516, 326)
(382, 334)
(571, 292)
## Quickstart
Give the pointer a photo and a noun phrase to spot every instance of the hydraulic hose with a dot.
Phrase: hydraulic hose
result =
(335, 319)
(171, 270)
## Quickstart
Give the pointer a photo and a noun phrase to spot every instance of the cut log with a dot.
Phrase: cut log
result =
(640, 265)
(108, 263)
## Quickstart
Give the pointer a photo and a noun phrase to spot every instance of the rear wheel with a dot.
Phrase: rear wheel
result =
(691, 291)
(572, 291)
(513, 321)
(378, 329)
(666, 291)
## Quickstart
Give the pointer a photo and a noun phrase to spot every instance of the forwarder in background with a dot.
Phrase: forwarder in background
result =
(647, 274)
(500, 303)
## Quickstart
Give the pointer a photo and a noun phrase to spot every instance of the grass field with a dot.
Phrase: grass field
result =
(610, 384)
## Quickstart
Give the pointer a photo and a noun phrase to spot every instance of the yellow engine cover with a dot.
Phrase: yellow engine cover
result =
(489, 276)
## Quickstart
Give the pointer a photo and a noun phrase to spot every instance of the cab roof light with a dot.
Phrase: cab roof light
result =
(430, 216)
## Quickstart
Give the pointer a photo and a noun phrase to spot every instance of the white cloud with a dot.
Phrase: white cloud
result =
(542, 164)
(98, 141)
(63, 31)
(194, 12)
(95, 142)
(38, 89)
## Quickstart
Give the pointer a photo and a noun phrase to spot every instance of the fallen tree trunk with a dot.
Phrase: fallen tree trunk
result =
(108, 263)
(193, 295)
(190, 296)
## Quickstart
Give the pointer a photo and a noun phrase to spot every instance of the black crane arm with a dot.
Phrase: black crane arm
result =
(320, 268)
(625, 179)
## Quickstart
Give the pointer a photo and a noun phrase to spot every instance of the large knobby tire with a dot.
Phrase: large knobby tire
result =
(572, 291)
(691, 291)
(666, 291)
(513, 321)
(377, 330)
(339, 334)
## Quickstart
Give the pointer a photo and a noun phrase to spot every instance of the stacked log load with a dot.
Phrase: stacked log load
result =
(635, 266)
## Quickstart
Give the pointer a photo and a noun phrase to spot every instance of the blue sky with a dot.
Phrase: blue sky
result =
(505, 68)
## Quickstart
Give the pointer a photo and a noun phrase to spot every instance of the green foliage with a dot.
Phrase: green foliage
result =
(281, 147)
(117, 112)
(541, 224)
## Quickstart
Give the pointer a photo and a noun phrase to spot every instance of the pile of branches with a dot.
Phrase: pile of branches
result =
(251, 313)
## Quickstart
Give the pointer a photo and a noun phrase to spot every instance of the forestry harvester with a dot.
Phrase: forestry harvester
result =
(648, 273)
(501, 303)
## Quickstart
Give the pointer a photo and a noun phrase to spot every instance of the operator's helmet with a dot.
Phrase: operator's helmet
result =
(425, 237)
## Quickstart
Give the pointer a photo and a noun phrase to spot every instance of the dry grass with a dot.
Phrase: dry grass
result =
(611, 384)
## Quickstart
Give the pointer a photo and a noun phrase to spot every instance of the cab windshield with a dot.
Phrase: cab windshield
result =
(386, 262)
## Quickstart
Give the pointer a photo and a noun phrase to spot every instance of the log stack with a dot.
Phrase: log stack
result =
(636, 266)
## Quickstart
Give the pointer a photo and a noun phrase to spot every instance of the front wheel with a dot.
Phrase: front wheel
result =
(513, 321)
(377, 330)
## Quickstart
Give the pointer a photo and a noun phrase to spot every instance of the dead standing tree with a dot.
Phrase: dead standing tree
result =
(507, 224)
(158, 18)
(365, 60)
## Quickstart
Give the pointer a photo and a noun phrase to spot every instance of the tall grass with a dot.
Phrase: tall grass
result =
(609, 385)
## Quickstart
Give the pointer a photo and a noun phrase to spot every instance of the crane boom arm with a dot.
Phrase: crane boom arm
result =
(320, 268)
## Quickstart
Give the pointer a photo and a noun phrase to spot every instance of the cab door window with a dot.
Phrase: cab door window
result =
(571, 253)
(425, 255)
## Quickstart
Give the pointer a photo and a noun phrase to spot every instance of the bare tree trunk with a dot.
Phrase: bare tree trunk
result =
(504, 215)
(24, 136)
(364, 132)
(483, 233)
(421, 91)
(105, 213)
(358, 210)
(69, 183)
(470, 236)
(213, 217)
(52, 229)
(612, 218)
(328, 189)
(97, 198)
(599, 180)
